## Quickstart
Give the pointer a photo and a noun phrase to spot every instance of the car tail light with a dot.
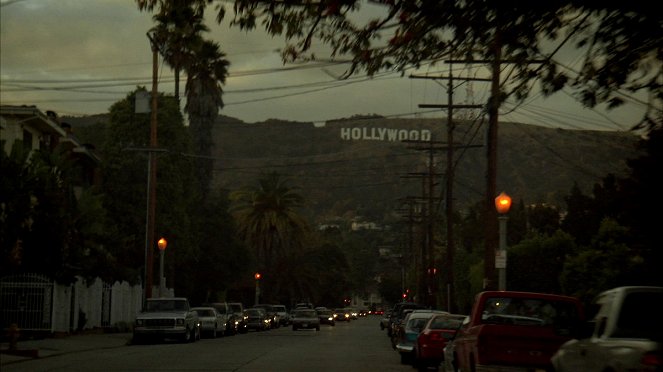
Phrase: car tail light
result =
(652, 362)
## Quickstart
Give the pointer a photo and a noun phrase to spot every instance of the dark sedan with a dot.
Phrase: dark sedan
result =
(305, 318)
(326, 317)
(257, 319)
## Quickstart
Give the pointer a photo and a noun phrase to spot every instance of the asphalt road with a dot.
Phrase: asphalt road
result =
(356, 346)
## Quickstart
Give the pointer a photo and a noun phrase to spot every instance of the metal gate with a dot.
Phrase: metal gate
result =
(27, 301)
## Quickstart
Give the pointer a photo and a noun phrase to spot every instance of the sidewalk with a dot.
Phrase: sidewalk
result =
(51, 346)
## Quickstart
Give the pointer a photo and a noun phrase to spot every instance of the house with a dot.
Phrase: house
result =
(33, 129)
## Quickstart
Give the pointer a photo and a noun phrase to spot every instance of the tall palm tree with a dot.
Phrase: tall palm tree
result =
(178, 35)
(179, 25)
(206, 70)
(267, 218)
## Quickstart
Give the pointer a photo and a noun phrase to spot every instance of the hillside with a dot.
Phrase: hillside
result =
(366, 174)
(359, 167)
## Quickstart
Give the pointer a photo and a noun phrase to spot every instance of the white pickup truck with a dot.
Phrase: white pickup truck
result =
(167, 318)
(625, 335)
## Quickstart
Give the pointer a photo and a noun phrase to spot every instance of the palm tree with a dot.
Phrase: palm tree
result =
(178, 38)
(267, 219)
(206, 71)
(179, 28)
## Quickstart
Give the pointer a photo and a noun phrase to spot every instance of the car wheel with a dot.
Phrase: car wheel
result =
(294, 328)
(317, 328)
(405, 358)
(186, 337)
(214, 332)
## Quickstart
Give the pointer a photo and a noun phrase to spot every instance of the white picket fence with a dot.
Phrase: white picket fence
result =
(36, 303)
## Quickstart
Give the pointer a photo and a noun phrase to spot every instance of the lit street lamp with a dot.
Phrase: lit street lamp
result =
(502, 204)
(162, 243)
(257, 276)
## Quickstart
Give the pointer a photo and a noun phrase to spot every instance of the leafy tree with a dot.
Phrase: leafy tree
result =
(641, 199)
(45, 228)
(125, 177)
(536, 263)
(17, 185)
(620, 41)
(582, 220)
(222, 261)
(608, 262)
(543, 219)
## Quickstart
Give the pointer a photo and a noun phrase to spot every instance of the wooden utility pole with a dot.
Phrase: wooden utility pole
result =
(450, 251)
(428, 270)
(152, 177)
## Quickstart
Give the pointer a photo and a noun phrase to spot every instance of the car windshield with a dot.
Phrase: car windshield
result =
(166, 305)
(529, 311)
(236, 308)
(253, 312)
(280, 309)
(306, 313)
(205, 312)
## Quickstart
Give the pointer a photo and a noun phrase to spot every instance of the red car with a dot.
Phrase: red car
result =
(429, 347)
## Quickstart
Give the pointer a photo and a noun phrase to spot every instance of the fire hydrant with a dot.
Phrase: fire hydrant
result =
(12, 335)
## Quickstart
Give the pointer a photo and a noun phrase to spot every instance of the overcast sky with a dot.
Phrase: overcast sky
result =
(78, 57)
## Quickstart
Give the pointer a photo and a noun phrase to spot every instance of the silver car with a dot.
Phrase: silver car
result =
(211, 322)
(305, 318)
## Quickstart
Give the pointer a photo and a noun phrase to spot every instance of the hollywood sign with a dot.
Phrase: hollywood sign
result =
(385, 134)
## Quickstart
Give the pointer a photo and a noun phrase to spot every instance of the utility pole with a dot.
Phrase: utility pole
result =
(450, 251)
(428, 269)
(152, 177)
(491, 222)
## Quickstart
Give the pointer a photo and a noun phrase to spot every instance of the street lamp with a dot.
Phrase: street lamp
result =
(257, 277)
(502, 204)
(162, 243)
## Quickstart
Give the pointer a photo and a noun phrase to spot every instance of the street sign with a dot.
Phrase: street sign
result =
(500, 259)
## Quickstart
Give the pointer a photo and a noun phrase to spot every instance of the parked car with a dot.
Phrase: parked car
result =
(167, 318)
(398, 326)
(226, 312)
(519, 330)
(384, 321)
(342, 315)
(326, 317)
(272, 313)
(211, 322)
(284, 316)
(305, 318)
(433, 338)
(397, 313)
(257, 319)
(240, 318)
(406, 337)
(626, 334)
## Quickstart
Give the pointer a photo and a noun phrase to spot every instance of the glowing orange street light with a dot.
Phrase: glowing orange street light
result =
(502, 204)
(162, 244)
(257, 276)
